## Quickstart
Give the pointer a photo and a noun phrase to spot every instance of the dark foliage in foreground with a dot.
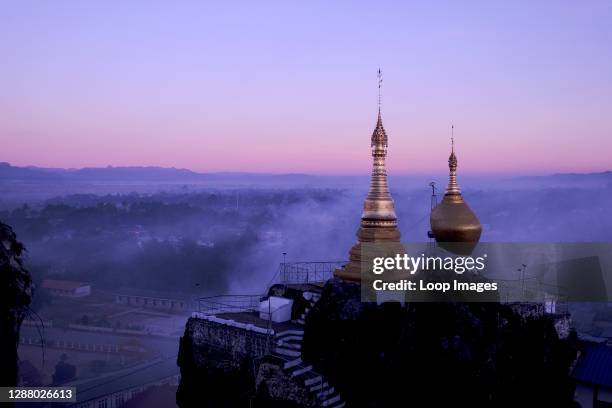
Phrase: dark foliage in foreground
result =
(15, 297)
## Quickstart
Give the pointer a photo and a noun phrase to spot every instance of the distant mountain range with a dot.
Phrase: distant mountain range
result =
(127, 174)
(589, 180)
(604, 175)
(171, 175)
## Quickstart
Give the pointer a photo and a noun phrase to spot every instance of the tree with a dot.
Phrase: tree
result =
(15, 298)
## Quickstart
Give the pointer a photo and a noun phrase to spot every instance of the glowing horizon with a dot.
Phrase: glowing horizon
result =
(292, 88)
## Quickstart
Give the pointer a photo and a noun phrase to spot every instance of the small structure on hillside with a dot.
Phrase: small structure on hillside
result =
(153, 300)
(66, 288)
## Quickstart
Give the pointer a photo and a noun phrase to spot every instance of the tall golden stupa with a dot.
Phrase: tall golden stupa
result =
(378, 220)
(453, 223)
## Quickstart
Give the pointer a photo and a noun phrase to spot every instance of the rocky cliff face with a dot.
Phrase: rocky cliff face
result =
(389, 355)
(224, 366)
(215, 370)
(15, 296)
(436, 354)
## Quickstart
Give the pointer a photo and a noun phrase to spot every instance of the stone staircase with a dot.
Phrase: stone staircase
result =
(289, 349)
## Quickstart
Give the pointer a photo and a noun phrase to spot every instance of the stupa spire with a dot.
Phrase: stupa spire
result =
(379, 90)
(453, 186)
(379, 209)
(378, 219)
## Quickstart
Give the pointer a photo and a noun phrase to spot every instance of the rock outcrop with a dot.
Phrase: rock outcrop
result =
(436, 354)
(216, 366)
(481, 354)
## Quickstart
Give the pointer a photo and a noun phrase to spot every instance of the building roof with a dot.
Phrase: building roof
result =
(595, 366)
(136, 376)
(58, 284)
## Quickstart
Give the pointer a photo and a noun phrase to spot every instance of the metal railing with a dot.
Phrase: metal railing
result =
(288, 273)
(228, 304)
(530, 289)
(215, 305)
(308, 272)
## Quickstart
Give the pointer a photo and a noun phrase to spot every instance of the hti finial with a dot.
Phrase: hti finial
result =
(379, 86)
(453, 187)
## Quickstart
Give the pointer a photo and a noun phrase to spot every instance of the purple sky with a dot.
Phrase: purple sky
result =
(291, 86)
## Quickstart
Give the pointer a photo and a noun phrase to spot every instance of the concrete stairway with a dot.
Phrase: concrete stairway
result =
(288, 348)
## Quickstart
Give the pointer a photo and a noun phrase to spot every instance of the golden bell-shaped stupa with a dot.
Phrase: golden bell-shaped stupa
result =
(454, 225)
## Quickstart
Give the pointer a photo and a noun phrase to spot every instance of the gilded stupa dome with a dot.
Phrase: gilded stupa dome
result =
(454, 225)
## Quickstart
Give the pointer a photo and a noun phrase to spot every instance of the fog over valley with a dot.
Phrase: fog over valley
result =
(163, 238)
(201, 239)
